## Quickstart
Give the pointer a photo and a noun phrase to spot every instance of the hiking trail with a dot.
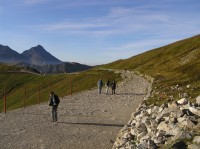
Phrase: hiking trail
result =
(86, 120)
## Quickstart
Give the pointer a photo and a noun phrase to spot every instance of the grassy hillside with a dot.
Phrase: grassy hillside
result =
(171, 65)
(16, 83)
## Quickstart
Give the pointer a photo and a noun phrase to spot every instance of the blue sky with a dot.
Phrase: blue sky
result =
(96, 31)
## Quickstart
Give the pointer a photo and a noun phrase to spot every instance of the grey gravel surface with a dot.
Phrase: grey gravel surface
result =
(86, 120)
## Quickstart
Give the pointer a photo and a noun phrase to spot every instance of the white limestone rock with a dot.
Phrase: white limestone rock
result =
(196, 139)
(194, 111)
(198, 100)
(182, 101)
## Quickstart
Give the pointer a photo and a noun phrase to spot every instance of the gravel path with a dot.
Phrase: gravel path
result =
(86, 120)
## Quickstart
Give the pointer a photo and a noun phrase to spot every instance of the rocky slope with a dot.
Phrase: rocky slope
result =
(172, 125)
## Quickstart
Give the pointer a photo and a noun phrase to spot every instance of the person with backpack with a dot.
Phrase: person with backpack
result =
(107, 86)
(113, 86)
(100, 85)
(54, 102)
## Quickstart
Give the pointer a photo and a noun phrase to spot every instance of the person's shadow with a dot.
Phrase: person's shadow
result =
(94, 124)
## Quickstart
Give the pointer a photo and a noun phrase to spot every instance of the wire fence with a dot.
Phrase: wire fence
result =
(31, 94)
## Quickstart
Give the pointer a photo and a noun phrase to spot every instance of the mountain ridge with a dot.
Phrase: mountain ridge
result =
(7, 55)
(40, 59)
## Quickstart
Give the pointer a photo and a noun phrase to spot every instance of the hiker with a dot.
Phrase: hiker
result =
(107, 86)
(100, 85)
(54, 102)
(113, 86)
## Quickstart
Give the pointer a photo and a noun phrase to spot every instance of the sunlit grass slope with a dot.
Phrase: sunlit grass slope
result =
(39, 86)
(177, 63)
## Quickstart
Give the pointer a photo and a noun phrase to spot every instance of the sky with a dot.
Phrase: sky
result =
(96, 32)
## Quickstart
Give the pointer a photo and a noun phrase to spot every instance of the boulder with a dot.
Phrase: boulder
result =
(141, 128)
(187, 124)
(181, 119)
(195, 111)
(182, 101)
(163, 126)
(142, 145)
(160, 133)
(170, 129)
(152, 145)
(133, 122)
(173, 120)
(175, 129)
(167, 111)
(130, 145)
(145, 138)
(141, 135)
(159, 140)
(154, 123)
(133, 132)
(196, 139)
(173, 105)
(182, 135)
(187, 112)
(194, 146)
(147, 122)
(149, 111)
(127, 135)
(198, 100)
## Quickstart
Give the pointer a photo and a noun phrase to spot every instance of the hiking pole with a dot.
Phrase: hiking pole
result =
(4, 99)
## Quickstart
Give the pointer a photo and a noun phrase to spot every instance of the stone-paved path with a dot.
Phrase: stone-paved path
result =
(87, 120)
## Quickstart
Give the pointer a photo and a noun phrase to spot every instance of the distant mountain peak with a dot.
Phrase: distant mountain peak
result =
(39, 56)
(37, 48)
(7, 55)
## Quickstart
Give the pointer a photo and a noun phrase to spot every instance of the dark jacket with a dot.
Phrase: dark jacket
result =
(113, 85)
(54, 100)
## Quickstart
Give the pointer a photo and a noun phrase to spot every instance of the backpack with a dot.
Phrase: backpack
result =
(57, 100)
(107, 83)
(54, 101)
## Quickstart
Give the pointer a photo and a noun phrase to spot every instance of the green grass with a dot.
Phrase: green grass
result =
(177, 63)
(17, 83)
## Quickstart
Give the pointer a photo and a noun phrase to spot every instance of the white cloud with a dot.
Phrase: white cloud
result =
(118, 21)
(33, 2)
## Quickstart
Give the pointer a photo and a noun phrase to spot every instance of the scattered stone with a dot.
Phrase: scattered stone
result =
(198, 100)
(194, 146)
(182, 135)
(195, 111)
(196, 139)
(182, 101)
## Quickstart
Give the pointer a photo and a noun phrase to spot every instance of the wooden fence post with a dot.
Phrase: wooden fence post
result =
(39, 94)
(70, 86)
(4, 99)
(24, 97)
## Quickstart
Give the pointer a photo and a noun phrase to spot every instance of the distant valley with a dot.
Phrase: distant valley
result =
(38, 58)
